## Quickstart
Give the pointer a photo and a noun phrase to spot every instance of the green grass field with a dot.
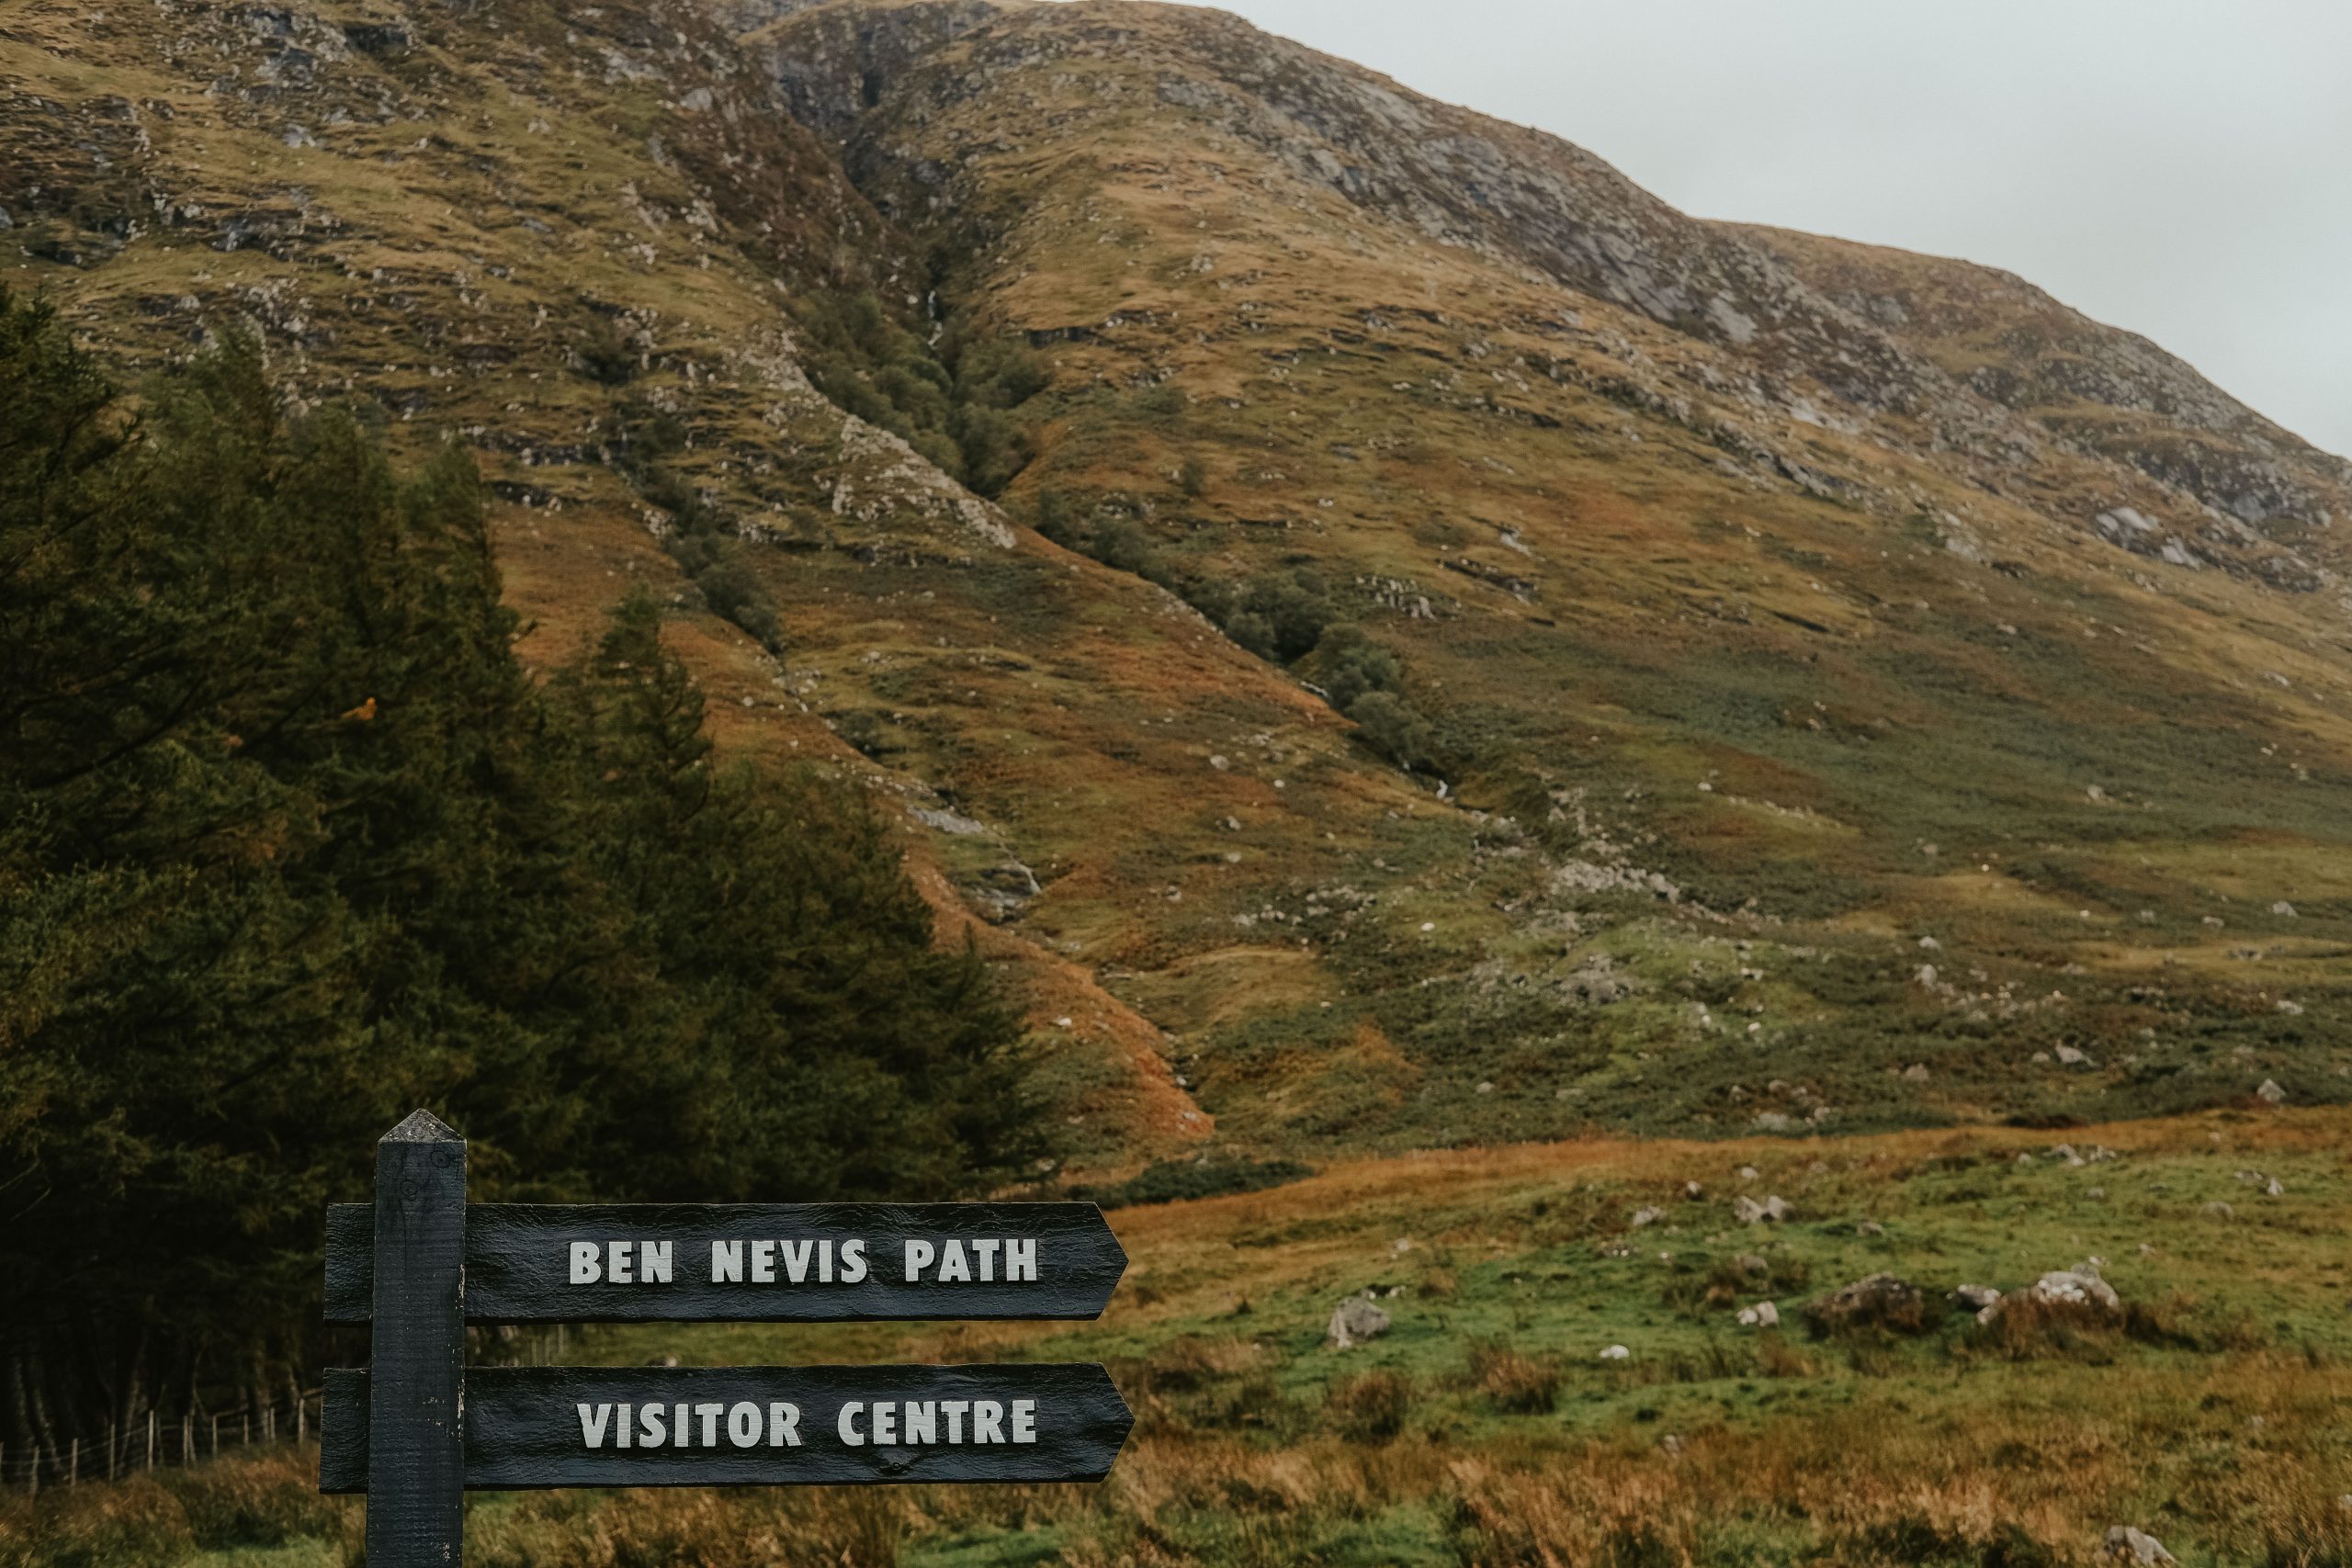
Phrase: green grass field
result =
(1485, 1427)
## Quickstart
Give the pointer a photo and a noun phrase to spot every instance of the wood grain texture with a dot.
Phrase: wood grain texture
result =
(523, 1427)
(517, 1262)
(416, 1407)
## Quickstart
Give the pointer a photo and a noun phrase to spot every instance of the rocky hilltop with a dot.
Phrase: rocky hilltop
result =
(1386, 632)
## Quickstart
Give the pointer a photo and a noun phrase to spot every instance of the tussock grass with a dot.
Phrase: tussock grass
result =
(1483, 1428)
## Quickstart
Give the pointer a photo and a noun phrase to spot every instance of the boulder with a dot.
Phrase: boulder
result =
(1355, 1320)
(2079, 1287)
(1772, 1211)
(1975, 1298)
(1616, 1353)
(1763, 1314)
(2125, 1544)
(1647, 1217)
(1879, 1300)
(2270, 1093)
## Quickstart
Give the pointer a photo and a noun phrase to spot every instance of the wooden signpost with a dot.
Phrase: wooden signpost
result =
(418, 1427)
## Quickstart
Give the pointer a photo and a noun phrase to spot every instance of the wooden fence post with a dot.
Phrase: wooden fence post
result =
(416, 1455)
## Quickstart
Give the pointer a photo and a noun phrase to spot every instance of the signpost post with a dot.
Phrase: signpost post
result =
(418, 1426)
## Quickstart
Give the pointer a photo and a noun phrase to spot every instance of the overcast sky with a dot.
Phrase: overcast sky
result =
(2179, 167)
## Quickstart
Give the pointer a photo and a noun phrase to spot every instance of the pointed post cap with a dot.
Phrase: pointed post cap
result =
(421, 1127)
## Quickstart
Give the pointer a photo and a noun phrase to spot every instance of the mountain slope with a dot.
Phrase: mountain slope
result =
(2112, 392)
(1832, 682)
(1706, 577)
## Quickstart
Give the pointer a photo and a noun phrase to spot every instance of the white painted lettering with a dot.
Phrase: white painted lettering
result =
(763, 1263)
(952, 1266)
(584, 1269)
(923, 1421)
(919, 1255)
(654, 1262)
(681, 1435)
(847, 1424)
(1024, 1420)
(710, 1414)
(986, 1251)
(592, 1427)
(783, 1426)
(853, 1262)
(621, 1429)
(743, 1424)
(797, 1255)
(988, 1421)
(621, 1267)
(886, 1422)
(1021, 1260)
(955, 1408)
(825, 1260)
(649, 1431)
(726, 1262)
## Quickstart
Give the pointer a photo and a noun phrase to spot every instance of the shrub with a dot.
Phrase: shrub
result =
(1286, 614)
(1370, 1407)
(606, 353)
(1173, 1180)
(1394, 728)
(1520, 1385)
(1348, 665)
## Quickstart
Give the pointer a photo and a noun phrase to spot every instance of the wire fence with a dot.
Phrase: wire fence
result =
(156, 1442)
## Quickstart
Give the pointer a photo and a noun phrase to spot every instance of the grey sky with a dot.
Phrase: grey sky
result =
(2179, 167)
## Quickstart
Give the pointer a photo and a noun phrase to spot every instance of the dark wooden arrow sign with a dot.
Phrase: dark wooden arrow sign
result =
(539, 1426)
(757, 1262)
(419, 1425)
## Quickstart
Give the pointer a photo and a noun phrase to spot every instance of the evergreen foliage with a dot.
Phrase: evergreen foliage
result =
(289, 844)
(951, 396)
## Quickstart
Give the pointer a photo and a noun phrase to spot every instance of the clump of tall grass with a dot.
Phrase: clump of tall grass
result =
(1371, 1407)
(1518, 1385)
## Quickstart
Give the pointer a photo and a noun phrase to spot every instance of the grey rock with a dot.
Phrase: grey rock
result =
(2079, 1286)
(2270, 1093)
(1772, 1211)
(1616, 1353)
(2126, 1544)
(1763, 1314)
(1355, 1320)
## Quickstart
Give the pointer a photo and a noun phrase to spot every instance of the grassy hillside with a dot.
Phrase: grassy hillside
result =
(1485, 1427)
(1813, 728)
(1464, 651)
